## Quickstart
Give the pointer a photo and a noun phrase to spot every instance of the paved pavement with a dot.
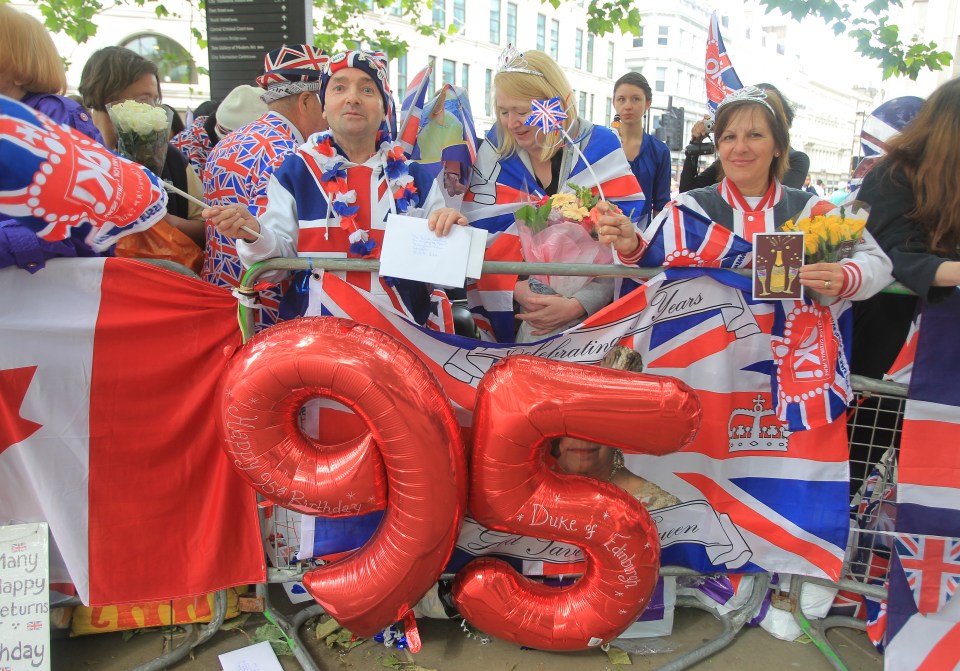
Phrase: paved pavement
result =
(447, 648)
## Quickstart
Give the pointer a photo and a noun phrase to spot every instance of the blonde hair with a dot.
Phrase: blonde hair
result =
(553, 84)
(29, 58)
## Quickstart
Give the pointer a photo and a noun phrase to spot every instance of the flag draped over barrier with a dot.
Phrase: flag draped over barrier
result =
(752, 493)
(108, 372)
(923, 613)
(721, 78)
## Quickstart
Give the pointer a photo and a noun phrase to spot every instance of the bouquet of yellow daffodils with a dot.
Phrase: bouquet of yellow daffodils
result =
(828, 237)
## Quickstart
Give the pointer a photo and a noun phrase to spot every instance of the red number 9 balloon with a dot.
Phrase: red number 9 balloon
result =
(522, 403)
(412, 427)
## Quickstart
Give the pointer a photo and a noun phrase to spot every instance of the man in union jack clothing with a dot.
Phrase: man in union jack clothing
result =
(331, 198)
(240, 166)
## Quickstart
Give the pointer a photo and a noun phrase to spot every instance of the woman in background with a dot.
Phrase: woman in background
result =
(31, 72)
(649, 158)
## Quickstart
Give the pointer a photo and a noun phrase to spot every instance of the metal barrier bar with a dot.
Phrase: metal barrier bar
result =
(194, 637)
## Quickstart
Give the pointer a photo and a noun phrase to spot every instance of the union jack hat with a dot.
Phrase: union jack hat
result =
(374, 63)
(293, 63)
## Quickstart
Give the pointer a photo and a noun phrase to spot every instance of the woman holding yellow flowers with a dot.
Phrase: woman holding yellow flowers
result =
(753, 140)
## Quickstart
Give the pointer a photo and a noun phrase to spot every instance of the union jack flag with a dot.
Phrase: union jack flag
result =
(238, 171)
(547, 114)
(411, 109)
(34, 625)
(54, 179)
(291, 63)
(932, 567)
(923, 623)
(18, 547)
(720, 76)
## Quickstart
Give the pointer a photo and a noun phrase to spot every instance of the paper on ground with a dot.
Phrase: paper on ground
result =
(411, 251)
(258, 657)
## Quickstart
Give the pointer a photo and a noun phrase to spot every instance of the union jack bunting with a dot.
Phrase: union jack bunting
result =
(720, 76)
(411, 109)
(238, 171)
(547, 114)
(923, 622)
(54, 179)
(932, 568)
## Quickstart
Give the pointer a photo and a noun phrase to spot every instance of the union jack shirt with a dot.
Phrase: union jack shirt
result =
(194, 143)
(237, 171)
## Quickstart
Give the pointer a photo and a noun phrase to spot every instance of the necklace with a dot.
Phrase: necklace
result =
(617, 464)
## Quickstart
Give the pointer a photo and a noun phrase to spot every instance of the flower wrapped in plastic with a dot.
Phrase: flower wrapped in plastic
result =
(829, 234)
(561, 229)
(143, 132)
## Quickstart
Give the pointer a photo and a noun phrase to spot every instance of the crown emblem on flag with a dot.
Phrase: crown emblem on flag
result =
(757, 429)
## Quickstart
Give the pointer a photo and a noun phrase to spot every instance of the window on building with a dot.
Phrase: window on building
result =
(592, 110)
(725, 21)
(638, 40)
(440, 13)
(459, 13)
(661, 82)
(465, 76)
(590, 52)
(610, 60)
(555, 39)
(174, 63)
(511, 24)
(487, 91)
(397, 8)
(449, 72)
(494, 21)
(608, 116)
(368, 4)
(578, 50)
(541, 32)
(432, 86)
(582, 106)
(662, 35)
(401, 76)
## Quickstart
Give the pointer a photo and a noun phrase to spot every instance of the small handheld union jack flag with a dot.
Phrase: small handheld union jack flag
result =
(547, 114)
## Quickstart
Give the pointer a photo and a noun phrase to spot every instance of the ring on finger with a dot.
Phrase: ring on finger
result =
(826, 284)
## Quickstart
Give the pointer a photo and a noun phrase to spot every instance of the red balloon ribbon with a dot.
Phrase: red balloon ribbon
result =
(522, 403)
(411, 426)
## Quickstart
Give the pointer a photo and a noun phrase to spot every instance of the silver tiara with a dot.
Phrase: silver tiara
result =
(512, 60)
(748, 94)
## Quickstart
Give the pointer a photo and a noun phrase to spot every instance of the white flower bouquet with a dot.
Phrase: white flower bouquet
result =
(143, 132)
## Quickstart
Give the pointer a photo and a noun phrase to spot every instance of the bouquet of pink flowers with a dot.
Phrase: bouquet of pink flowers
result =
(560, 229)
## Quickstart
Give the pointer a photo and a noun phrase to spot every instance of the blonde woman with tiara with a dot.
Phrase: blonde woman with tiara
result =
(519, 163)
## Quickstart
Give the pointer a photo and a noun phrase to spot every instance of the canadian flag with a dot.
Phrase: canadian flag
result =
(108, 377)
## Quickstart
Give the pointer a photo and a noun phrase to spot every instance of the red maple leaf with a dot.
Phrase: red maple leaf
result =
(14, 383)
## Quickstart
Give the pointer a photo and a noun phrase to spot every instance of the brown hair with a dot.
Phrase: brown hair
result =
(778, 127)
(29, 58)
(926, 153)
(553, 84)
(109, 71)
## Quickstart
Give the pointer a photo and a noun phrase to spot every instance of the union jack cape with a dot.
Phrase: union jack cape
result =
(500, 185)
(923, 615)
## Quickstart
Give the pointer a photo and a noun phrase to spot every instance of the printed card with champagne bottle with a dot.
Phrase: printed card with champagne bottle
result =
(777, 258)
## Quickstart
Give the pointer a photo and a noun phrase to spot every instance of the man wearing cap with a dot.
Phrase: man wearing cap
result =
(332, 197)
(239, 167)
(241, 106)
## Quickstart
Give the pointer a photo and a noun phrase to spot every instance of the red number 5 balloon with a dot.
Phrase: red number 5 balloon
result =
(412, 427)
(522, 403)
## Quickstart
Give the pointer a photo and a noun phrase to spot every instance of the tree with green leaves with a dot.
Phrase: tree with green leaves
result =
(876, 37)
(342, 23)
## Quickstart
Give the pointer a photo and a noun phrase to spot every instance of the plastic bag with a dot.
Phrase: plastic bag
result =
(162, 241)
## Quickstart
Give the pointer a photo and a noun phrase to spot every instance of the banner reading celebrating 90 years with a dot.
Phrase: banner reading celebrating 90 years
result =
(748, 494)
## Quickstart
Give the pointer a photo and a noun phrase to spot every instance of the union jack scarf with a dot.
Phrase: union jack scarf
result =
(502, 184)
